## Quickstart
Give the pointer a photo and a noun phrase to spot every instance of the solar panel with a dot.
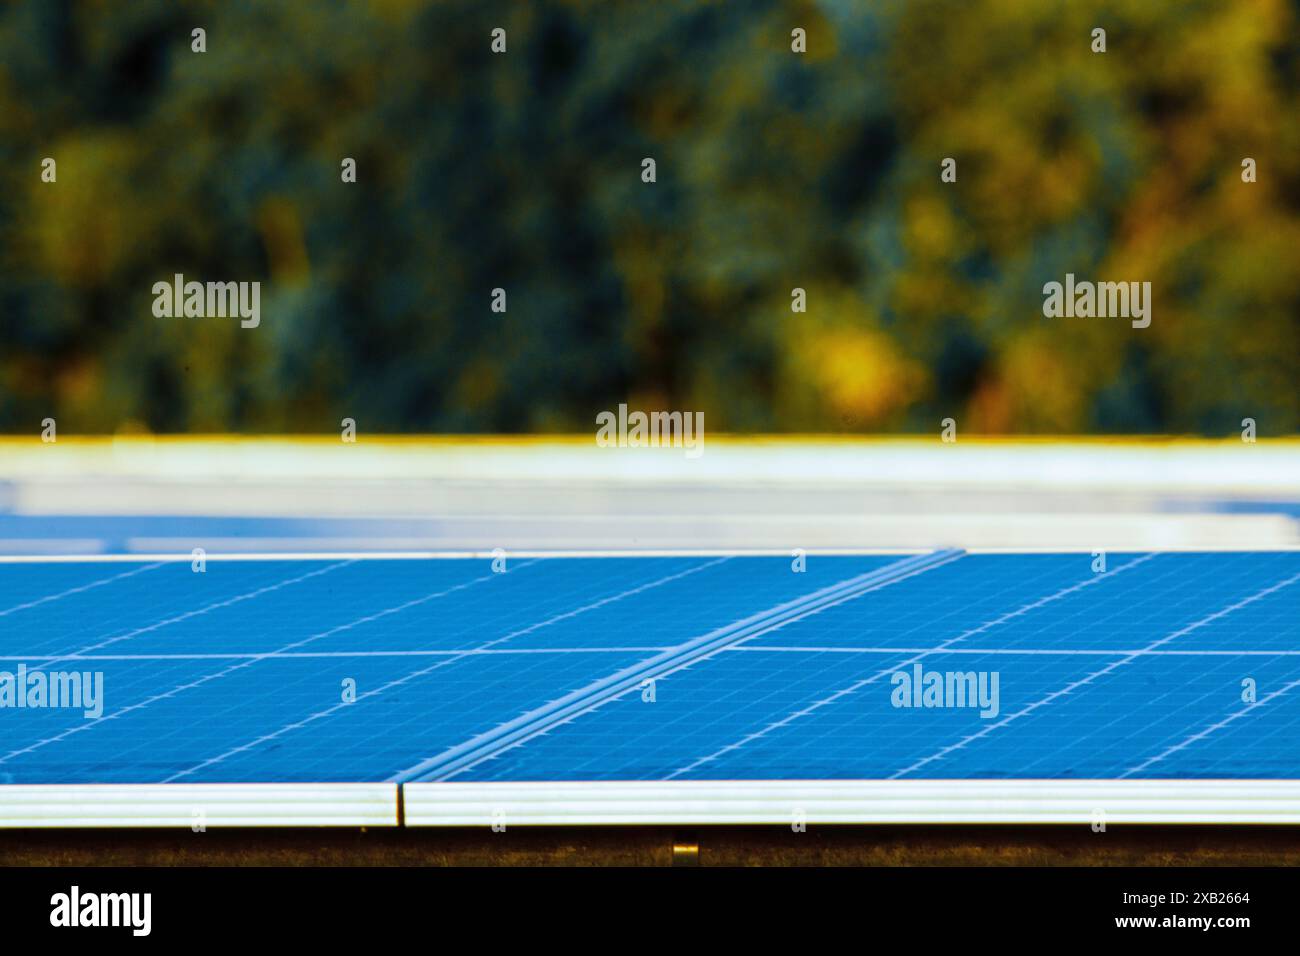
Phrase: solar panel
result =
(626, 688)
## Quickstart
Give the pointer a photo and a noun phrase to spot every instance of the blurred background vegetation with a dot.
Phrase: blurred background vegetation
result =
(775, 170)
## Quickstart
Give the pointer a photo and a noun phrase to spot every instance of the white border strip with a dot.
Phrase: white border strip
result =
(784, 802)
(1155, 464)
(188, 805)
(186, 557)
(672, 802)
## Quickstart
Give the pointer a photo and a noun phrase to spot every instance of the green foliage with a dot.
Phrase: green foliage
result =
(775, 170)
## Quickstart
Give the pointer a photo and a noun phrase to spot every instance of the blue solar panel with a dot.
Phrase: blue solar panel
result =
(658, 668)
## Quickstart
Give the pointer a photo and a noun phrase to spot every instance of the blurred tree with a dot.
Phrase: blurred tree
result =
(775, 170)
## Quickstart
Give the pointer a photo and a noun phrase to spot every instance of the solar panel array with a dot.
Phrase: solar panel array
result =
(633, 668)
